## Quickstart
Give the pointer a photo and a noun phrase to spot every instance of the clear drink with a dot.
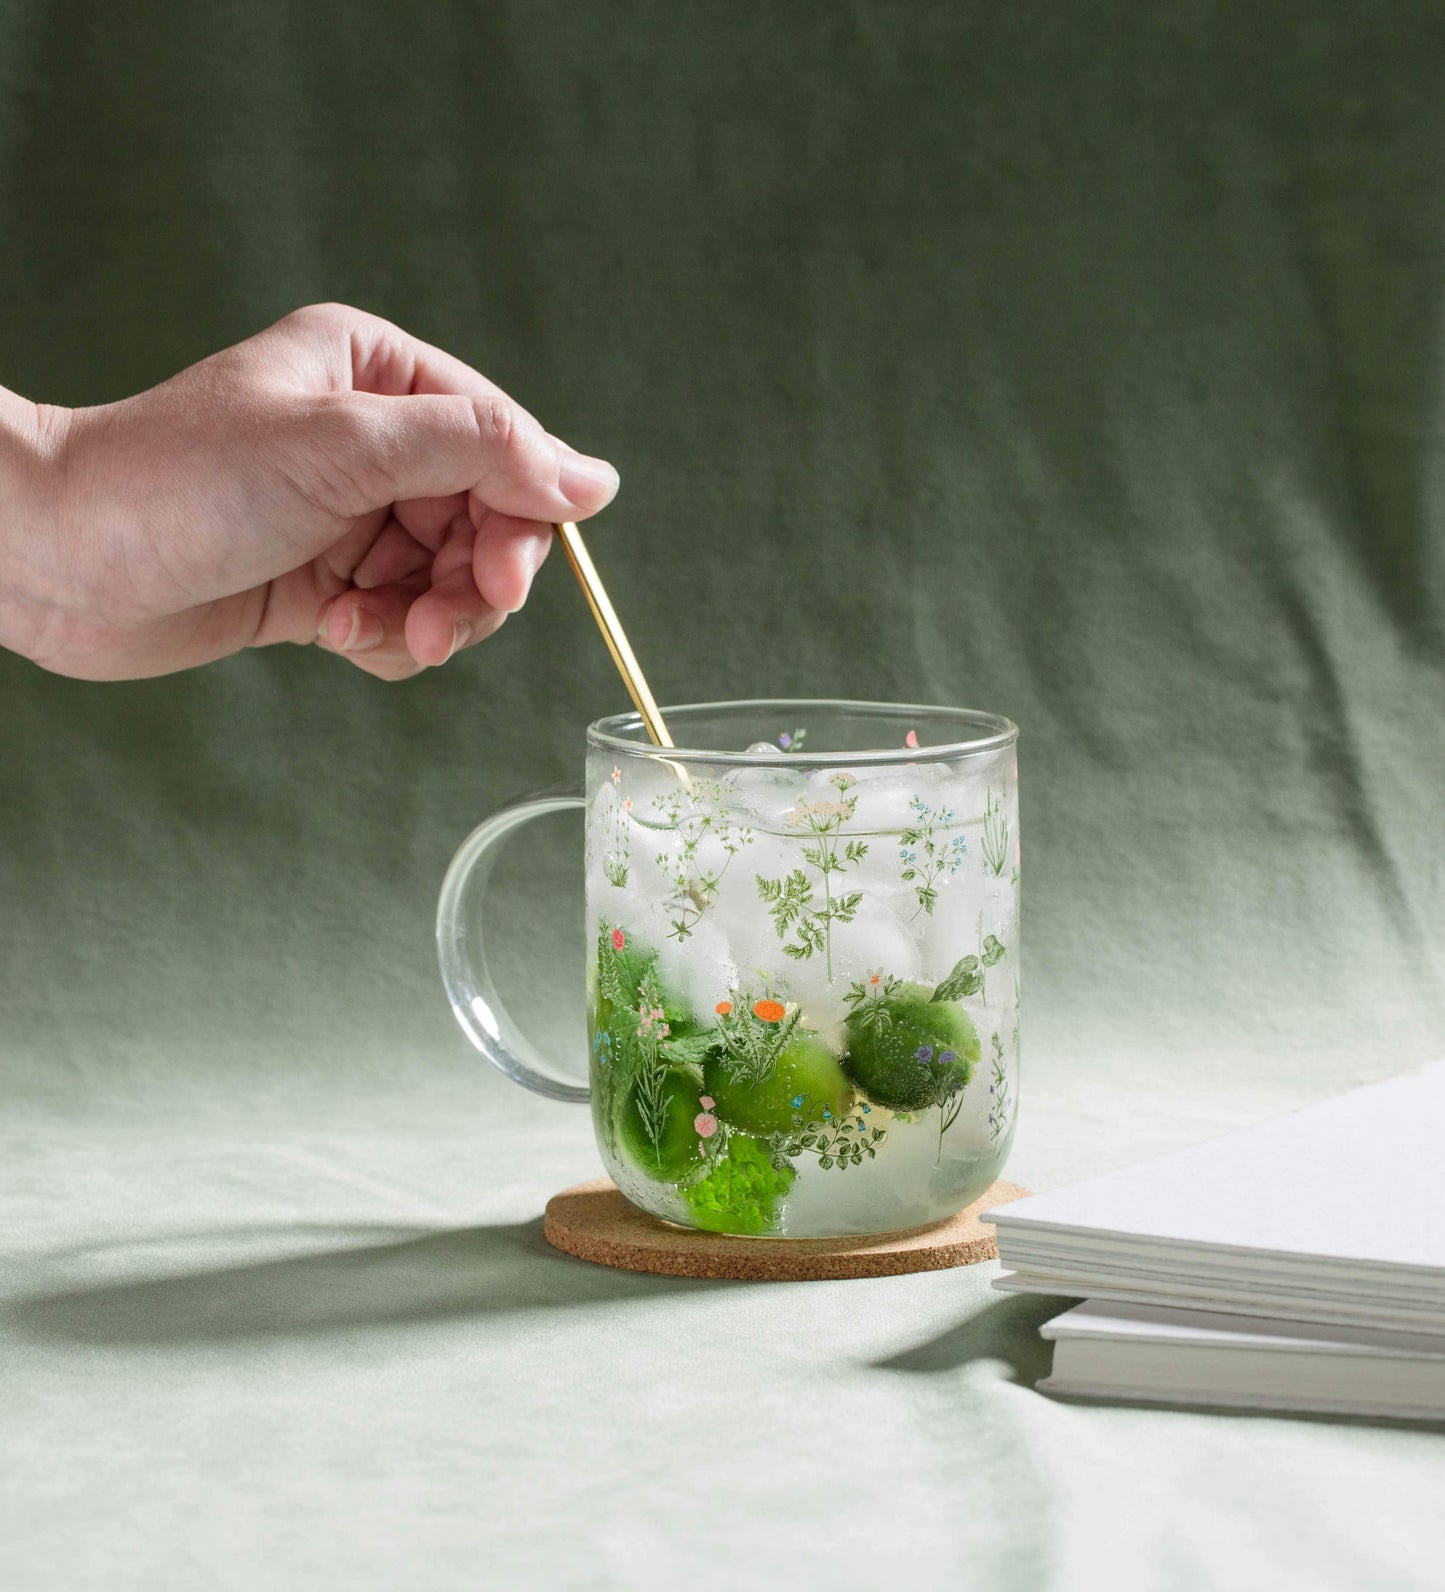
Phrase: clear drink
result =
(803, 990)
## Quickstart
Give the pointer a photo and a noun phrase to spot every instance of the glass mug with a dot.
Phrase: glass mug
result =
(803, 969)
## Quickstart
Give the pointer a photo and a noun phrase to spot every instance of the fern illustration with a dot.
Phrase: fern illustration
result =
(804, 924)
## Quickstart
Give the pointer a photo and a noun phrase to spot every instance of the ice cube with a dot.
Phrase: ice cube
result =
(883, 802)
(739, 911)
(874, 939)
(764, 797)
(699, 970)
(638, 912)
(972, 905)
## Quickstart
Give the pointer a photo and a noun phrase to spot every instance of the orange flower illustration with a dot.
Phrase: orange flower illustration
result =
(723, 1008)
(768, 1011)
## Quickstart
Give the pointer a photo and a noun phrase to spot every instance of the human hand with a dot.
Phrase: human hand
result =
(330, 480)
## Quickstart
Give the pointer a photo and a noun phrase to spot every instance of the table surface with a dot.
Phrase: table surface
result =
(329, 1347)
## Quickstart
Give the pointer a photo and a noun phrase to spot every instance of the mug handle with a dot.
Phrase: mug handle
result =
(475, 1002)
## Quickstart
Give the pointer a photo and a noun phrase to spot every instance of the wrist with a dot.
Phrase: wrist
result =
(33, 450)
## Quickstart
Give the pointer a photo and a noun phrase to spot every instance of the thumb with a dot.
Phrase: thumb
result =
(362, 451)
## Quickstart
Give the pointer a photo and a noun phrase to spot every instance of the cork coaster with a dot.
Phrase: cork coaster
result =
(594, 1222)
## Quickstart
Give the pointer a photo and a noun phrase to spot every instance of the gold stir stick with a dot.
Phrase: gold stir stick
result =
(613, 634)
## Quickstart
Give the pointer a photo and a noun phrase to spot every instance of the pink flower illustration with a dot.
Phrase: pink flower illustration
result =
(705, 1123)
(650, 1020)
(619, 939)
(616, 776)
(911, 739)
(707, 1102)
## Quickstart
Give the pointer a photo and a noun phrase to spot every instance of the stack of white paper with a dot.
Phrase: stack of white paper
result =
(1327, 1225)
(1150, 1354)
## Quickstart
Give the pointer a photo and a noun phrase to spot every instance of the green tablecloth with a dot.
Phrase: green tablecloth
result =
(1071, 361)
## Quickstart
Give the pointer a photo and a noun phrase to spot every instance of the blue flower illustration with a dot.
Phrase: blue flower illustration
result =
(923, 1055)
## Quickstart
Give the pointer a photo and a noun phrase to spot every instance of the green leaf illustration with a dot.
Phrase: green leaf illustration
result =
(965, 979)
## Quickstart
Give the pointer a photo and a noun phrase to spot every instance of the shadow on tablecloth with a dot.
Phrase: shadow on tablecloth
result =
(1007, 1329)
(432, 1275)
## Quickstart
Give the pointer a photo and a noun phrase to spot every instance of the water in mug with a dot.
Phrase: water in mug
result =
(803, 994)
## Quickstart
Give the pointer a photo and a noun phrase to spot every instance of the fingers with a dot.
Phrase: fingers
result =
(419, 423)
(368, 629)
(471, 480)
(506, 555)
(395, 555)
(452, 615)
(476, 581)
(407, 610)
(352, 350)
(359, 451)
(430, 520)
(396, 631)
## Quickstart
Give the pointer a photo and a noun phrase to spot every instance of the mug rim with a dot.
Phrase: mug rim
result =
(608, 733)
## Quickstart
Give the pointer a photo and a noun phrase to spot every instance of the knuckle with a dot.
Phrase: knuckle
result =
(498, 425)
(326, 313)
(335, 461)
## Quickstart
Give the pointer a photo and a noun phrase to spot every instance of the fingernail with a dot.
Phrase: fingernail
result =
(365, 633)
(584, 480)
(461, 635)
(323, 623)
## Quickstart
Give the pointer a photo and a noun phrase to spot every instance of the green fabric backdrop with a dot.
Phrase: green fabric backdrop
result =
(1068, 360)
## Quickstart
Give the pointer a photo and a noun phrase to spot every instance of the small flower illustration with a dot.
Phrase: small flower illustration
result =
(797, 1102)
(948, 1058)
(874, 977)
(842, 780)
(650, 1018)
(824, 812)
(769, 1011)
(911, 740)
(616, 776)
(619, 939)
(706, 1102)
(785, 740)
(723, 1008)
(705, 1123)
(827, 1113)
(627, 803)
(923, 1055)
